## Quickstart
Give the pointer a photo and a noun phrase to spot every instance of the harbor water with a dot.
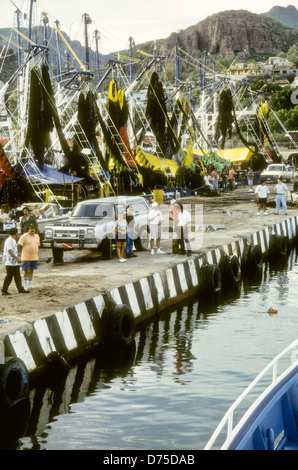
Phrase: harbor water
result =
(172, 387)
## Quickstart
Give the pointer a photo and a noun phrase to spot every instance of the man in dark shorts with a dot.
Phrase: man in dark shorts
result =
(262, 192)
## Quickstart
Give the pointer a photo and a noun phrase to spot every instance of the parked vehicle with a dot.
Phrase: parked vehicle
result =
(44, 213)
(91, 226)
(275, 170)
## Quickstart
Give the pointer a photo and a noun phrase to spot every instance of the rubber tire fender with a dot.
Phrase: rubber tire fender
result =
(233, 269)
(14, 381)
(230, 269)
(121, 325)
(210, 278)
(255, 257)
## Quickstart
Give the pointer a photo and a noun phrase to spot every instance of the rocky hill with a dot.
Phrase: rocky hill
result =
(224, 34)
(288, 16)
(233, 32)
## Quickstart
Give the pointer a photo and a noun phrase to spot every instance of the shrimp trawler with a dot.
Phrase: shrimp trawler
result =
(74, 134)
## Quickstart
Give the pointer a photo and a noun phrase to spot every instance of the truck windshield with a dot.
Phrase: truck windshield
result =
(275, 168)
(93, 210)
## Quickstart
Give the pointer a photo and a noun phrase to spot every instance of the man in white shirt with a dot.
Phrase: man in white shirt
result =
(262, 192)
(12, 262)
(184, 221)
(155, 220)
(281, 190)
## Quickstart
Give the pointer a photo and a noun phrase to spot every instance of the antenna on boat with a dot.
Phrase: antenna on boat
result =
(30, 18)
(87, 20)
(18, 12)
(97, 37)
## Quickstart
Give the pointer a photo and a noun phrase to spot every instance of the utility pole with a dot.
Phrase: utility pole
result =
(87, 20)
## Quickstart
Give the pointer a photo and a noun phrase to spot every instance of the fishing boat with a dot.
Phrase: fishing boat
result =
(271, 422)
(66, 122)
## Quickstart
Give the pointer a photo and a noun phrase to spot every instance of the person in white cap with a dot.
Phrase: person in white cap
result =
(155, 220)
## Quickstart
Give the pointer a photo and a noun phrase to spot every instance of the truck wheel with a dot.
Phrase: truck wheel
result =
(142, 242)
(57, 255)
(106, 248)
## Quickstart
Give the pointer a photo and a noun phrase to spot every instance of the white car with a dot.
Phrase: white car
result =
(276, 170)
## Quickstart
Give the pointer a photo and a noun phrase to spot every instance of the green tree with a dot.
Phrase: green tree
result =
(293, 54)
(282, 99)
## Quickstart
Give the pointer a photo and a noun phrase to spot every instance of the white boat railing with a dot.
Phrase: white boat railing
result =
(229, 416)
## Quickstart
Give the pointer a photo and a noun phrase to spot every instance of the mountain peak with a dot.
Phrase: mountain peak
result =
(288, 16)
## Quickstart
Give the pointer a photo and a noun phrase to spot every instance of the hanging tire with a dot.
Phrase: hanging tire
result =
(210, 279)
(256, 257)
(230, 269)
(253, 259)
(120, 325)
(14, 381)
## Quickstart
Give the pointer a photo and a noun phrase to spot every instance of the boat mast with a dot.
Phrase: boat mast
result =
(96, 35)
(87, 20)
(30, 18)
(45, 21)
(131, 44)
(58, 53)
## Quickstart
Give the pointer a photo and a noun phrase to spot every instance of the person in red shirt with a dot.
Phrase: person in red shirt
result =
(215, 177)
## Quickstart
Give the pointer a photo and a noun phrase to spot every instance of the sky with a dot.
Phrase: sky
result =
(117, 21)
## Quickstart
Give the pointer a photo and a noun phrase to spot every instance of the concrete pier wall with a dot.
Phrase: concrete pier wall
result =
(73, 331)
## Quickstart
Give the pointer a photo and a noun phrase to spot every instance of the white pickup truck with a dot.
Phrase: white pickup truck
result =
(275, 170)
(91, 226)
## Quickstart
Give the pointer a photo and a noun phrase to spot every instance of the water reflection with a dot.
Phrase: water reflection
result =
(165, 345)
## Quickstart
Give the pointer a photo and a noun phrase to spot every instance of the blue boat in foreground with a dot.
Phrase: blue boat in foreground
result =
(271, 422)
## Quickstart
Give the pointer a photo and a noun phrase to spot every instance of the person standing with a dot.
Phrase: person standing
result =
(223, 176)
(231, 179)
(155, 220)
(262, 192)
(12, 261)
(27, 220)
(281, 190)
(29, 244)
(174, 213)
(130, 235)
(250, 178)
(215, 178)
(184, 220)
(121, 231)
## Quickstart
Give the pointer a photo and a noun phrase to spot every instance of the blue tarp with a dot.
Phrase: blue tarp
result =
(48, 175)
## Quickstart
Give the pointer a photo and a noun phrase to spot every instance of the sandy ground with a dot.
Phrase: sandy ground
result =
(85, 275)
